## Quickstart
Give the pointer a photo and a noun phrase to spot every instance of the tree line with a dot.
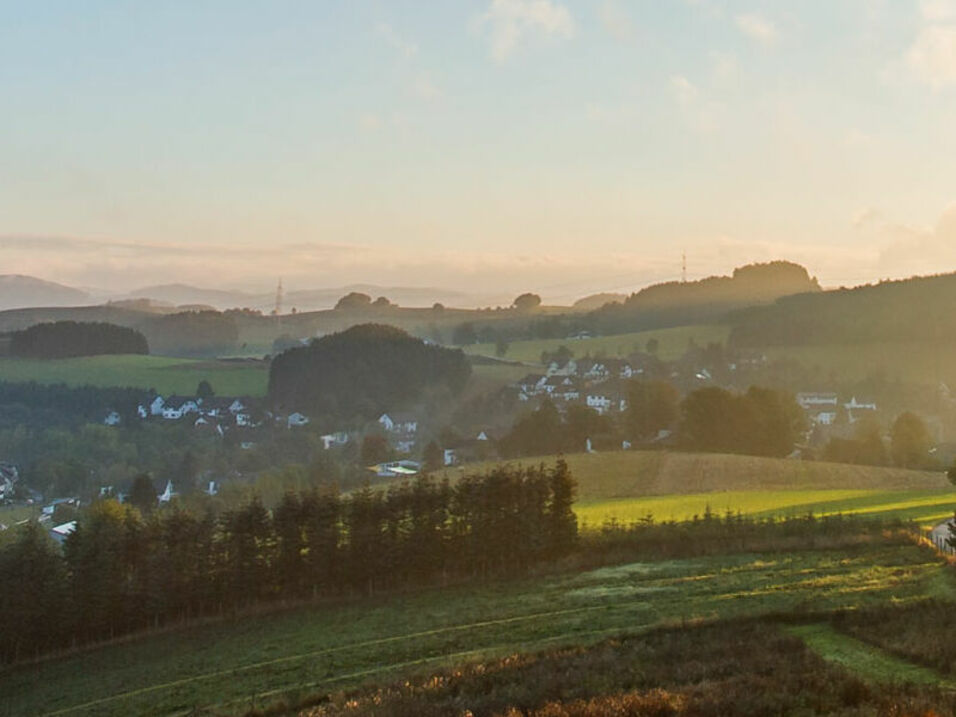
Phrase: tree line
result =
(759, 421)
(69, 339)
(122, 571)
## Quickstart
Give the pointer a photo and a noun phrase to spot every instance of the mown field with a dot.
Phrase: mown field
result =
(166, 375)
(627, 486)
(233, 667)
(672, 343)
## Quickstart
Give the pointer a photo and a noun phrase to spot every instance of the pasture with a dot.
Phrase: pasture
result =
(627, 486)
(231, 667)
(926, 508)
(167, 375)
(672, 343)
(633, 474)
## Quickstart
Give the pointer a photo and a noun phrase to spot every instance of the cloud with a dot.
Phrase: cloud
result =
(932, 57)
(910, 250)
(701, 113)
(616, 20)
(938, 10)
(510, 22)
(684, 90)
(370, 122)
(398, 43)
(424, 87)
(723, 67)
(757, 28)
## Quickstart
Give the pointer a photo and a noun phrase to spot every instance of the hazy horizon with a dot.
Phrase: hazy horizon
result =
(491, 146)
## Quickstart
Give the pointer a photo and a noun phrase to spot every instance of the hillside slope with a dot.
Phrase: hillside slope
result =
(914, 309)
(629, 474)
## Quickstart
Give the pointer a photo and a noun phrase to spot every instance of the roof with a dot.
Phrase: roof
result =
(64, 529)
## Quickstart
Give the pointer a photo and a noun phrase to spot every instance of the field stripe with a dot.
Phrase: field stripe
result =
(502, 647)
(863, 659)
(339, 648)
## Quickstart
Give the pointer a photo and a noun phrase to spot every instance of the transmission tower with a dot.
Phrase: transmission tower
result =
(683, 267)
(277, 312)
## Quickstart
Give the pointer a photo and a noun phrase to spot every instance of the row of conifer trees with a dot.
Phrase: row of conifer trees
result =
(120, 573)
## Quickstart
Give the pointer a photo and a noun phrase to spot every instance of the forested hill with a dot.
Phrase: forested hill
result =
(362, 372)
(918, 309)
(66, 339)
(676, 303)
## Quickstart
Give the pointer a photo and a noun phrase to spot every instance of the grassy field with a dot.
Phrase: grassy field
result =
(917, 363)
(628, 485)
(672, 343)
(633, 474)
(864, 659)
(250, 662)
(166, 375)
(181, 376)
(925, 508)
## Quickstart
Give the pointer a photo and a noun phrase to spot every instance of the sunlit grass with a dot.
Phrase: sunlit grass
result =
(233, 661)
(923, 507)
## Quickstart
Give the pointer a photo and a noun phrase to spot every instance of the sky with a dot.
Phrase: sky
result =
(486, 145)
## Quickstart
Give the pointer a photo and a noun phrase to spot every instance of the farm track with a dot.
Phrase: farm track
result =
(365, 644)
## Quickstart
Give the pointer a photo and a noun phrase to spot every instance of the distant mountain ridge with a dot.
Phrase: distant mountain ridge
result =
(21, 292)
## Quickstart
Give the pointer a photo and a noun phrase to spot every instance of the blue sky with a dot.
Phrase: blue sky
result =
(499, 144)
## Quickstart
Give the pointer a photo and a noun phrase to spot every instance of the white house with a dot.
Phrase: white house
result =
(815, 400)
(562, 368)
(825, 418)
(156, 406)
(177, 406)
(113, 419)
(339, 438)
(606, 401)
(397, 469)
(399, 423)
(168, 494)
(854, 407)
(61, 532)
(294, 419)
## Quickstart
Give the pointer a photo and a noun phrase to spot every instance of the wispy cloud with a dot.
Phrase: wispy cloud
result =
(616, 20)
(393, 39)
(757, 28)
(932, 57)
(510, 22)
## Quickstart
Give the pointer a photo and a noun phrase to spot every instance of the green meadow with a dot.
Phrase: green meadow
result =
(167, 375)
(232, 667)
(925, 508)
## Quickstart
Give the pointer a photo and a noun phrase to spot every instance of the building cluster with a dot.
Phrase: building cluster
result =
(595, 383)
(826, 409)
(215, 414)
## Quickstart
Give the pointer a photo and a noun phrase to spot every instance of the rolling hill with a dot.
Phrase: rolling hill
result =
(17, 291)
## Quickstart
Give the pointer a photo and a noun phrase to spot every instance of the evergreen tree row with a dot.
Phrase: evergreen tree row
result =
(119, 573)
